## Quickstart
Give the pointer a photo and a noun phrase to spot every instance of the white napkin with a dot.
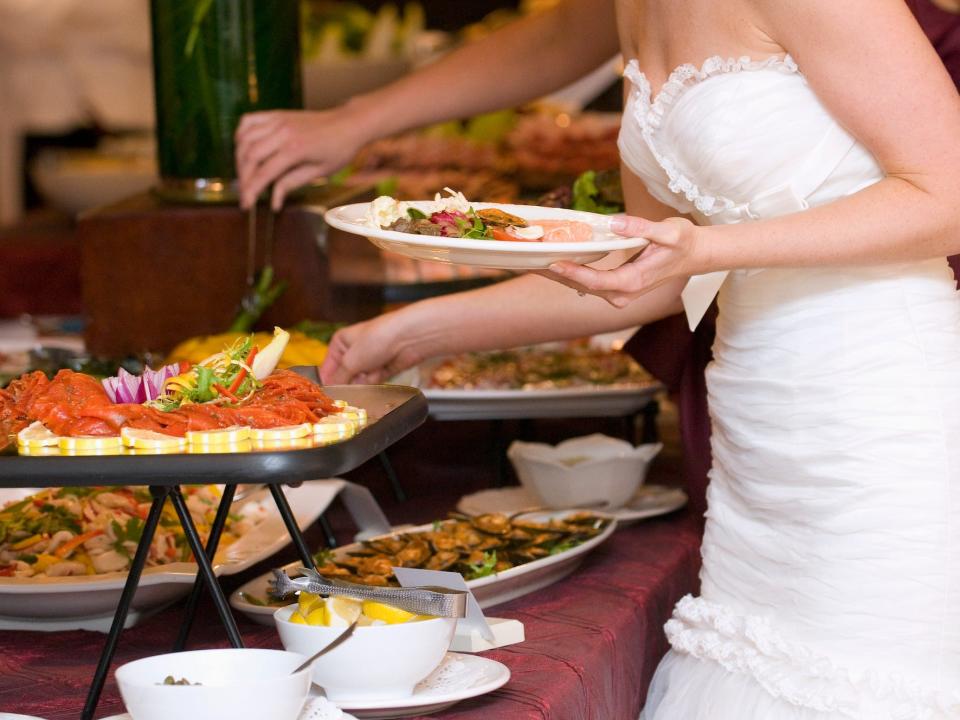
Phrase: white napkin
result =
(699, 293)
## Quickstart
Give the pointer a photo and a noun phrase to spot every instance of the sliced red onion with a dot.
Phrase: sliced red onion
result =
(125, 387)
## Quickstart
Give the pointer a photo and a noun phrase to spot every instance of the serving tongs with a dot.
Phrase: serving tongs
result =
(261, 291)
(422, 600)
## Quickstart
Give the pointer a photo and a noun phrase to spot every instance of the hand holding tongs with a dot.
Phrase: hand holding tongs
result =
(426, 600)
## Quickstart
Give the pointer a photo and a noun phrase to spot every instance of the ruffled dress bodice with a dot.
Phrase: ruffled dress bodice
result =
(831, 557)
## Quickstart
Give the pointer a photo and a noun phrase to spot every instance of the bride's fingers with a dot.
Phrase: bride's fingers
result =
(625, 279)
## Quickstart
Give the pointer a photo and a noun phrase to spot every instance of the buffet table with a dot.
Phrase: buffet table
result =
(593, 640)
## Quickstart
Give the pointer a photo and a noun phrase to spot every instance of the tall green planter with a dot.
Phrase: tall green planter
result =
(213, 61)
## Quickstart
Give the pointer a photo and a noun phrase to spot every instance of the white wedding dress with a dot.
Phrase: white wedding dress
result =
(831, 556)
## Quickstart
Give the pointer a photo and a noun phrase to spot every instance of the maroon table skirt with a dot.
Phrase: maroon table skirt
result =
(593, 640)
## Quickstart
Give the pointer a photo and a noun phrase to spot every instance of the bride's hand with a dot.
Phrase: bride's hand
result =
(674, 251)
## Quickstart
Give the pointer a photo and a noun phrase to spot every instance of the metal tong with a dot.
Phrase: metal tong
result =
(426, 600)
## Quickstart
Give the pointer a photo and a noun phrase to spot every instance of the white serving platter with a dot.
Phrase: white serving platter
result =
(489, 591)
(88, 602)
(501, 254)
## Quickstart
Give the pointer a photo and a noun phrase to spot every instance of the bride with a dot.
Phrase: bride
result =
(803, 161)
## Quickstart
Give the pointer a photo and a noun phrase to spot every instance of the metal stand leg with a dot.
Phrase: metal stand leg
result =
(213, 541)
(126, 598)
(650, 412)
(205, 569)
(398, 490)
(291, 522)
(497, 450)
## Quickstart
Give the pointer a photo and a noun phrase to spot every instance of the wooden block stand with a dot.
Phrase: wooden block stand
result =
(154, 274)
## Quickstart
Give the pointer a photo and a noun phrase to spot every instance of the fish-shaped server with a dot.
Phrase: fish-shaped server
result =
(438, 601)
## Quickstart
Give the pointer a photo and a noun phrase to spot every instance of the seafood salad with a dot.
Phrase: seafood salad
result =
(229, 397)
(94, 530)
(453, 216)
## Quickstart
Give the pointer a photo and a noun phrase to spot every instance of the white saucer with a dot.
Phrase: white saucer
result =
(459, 677)
(649, 501)
(317, 707)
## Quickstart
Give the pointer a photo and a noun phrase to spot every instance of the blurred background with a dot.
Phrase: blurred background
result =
(77, 101)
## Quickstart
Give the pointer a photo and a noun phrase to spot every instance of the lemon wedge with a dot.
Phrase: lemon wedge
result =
(288, 432)
(306, 601)
(36, 435)
(95, 445)
(317, 616)
(387, 613)
(342, 611)
(150, 440)
(224, 436)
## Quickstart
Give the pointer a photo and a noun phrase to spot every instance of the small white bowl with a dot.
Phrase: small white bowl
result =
(380, 662)
(582, 471)
(235, 684)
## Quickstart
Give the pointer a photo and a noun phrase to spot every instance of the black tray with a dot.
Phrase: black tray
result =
(392, 410)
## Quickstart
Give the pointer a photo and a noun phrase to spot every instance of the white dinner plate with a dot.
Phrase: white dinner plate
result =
(490, 590)
(618, 400)
(502, 254)
(88, 602)
(649, 501)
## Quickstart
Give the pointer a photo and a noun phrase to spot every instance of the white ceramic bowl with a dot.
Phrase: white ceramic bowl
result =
(382, 662)
(235, 684)
(582, 471)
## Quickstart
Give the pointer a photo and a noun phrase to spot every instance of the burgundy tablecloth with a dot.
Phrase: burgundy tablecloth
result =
(593, 639)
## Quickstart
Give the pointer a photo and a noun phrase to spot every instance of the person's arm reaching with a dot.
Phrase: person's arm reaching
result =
(518, 63)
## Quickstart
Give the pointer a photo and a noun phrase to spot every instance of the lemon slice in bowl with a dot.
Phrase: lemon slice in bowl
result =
(342, 611)
(91, 445)
(386, 613)
(306, 601)
(276, 434)
(150, 440)
(37, 435)
(223, 436)
(318, 615)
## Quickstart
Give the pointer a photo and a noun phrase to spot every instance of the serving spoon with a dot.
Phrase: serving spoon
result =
(337, 642)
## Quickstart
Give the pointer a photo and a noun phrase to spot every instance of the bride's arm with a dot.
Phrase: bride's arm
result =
(873, 68)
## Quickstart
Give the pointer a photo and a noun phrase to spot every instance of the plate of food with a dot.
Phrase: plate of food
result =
(589, 377)
(64, 551)
(451, 229)
(501, 558)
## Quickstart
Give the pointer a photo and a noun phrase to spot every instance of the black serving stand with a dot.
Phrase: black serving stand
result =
(392, 410)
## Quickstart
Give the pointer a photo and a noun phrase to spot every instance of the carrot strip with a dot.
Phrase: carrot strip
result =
(235, 385)
(226, 393)
(70, 545)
